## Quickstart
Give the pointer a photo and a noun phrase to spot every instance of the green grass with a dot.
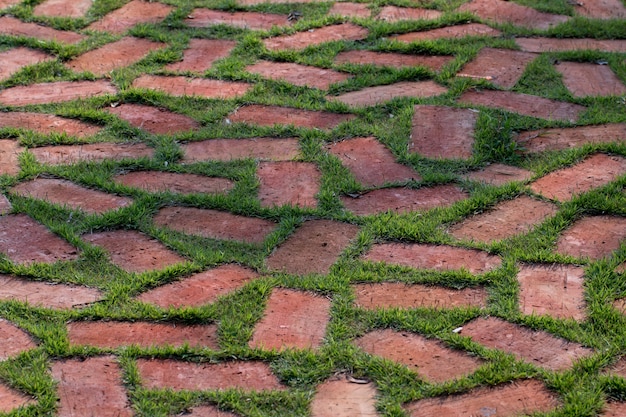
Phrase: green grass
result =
(583, 390)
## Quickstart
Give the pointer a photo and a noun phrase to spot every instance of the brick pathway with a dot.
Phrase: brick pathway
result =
(172, 226)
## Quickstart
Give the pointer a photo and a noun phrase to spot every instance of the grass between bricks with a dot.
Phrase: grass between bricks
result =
(582, 389)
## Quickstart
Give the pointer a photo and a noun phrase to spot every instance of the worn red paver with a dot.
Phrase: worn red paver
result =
(276, 115)
(49, 295)
(292, 320)
(122, 53)
(403, 200)
(614, 409)
(201, 288)
(584, 79)
(540, 44)
(409, 296)
(554, 290)
(179, 375)
(371, 163)
(499, 174)
(570, 137)
(55, 92)
(114, 334)
(437, 257)
(288, 183)
(442, 132)
(533, 346)
(48, 123)
(134, 251)
(273, 149)
(297, 74)
(63, 8)
(255, 2)
(601, 9)
(523, 397)
(5, 204)
(200, 18)
(595, 171)
(338, 397)
(349, 9)
(507, 219)
(15, 27)
(155, 120)
(88, 384)
(11, 399)
(174, 182)
(14, 340)
(509, 12)
(300, 40)
(391, 59)
(371, 96)
(9, 156)
(8, 3)
(313, 248)
(69, 154)
(501, 67)
(208, 411)
(13, 60)
(25, 241)
(593, 237)
(66, 193)
(448, 32)
(431, 359)
(195, 87)
(618, 368)
(396, 14)
(525, 104)
(214, 224)
(130, 14)
(201, 54)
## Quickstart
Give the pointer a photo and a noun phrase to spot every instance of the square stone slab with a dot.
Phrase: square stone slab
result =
(509, 12)
(192, 87)
(134, 251)
(391, 59)
(46, 124)
(288, 183)
(442, 132)
(506, 220)
(201, 18)
(501, 67)
(372, 96)
(448, 32)
(155, 181)
(156, 120)
(593, 237)
(301, 75)
(275, 115)
(201, 54)
(55, 92)
(15, 27)
(262, 149)
(585, 79)
(13, 60)
(130, 14)
(300, 40)
(570, 137)
(70, 154)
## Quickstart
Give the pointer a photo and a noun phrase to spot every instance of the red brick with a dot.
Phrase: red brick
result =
(313, 248)
(55, 92)
(570, 137)
(300, 40)
(66, 193)
(208, 411)
(533, 346)
(379, 94)
(584, 79)
(410, 296)
(49, 295)
(390, 59)
(396, 14)
(429, 358)
(25, 241)
(13, 60)
(275, 115)
(523, 397)
(288, 183)
(85, 385)
(155, 181)
(603, 9)
(593, 237)
(201, 54)
(510, 12)
(8, 3)
(525, 104)
(115, 334)
(338, 397)
(506, 220)
(14, 340)
(15, 27)
(201, 18)
(301, 75)
(448, 32)
(155, 120)
(178, 375)
(193, 87)
(436, 257)
(11, 399)
(403, 200)
(595, 171)
(63, 8)
(558, 44)
(348, 9)
(442, 132)
(214, 224)
(273, 149)
(199, 289)
(614, 409)
(48, 123)
(134, 251)
(501, 67)
(499, 174)
(9, 156)
(292, 320)
(69, 154)
(130, 14)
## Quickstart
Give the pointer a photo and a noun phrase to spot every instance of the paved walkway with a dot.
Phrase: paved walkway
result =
(184, 192)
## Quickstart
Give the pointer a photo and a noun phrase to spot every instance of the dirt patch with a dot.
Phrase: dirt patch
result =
(132, 13)
(569, 137)
(338, 397)
(448, 32)
(175, 182)
(379, 94)
(63, 8)
(13, 60)
(48, 123)
(593, 237)
(288, 183)
(301, 75)
(264, 149)
(12, 26)
(275, 115)
(201, 54)
(501, 67)
(192, 87)
(390, 59)
(70, 154)
(49, 295)
(14, 340)
(10, 151)
(585, 79)
(300, 40)
(55, 92)
(154, 119)
(499, 174)
(508, 12)
(397, 14)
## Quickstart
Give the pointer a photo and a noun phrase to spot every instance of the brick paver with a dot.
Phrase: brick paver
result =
(338, 397)
(55, 92)
(9, 156)
(264, 149)
(593, 237)
(273, 115)
(200, 18)
(390, 59)
(396, 14)
(42, 294)
(540, 44)
(614, 409)
(8, 3)
(341, 32)
(193, 87)
(511, 12)
(201, 54)
(501, 67)
(48, 123)
(584, 79)
(69, 154)
(175, 182)
(448, 32)
(349, 9)
(13, 60)
(371, 96)
(154, 119)
(302, 75)
(604, 9)
(11, 399)
(288, 183)
(15, 27)
(130, 14)
(499, 174)
(570, 137)
(63, 8)
(14, 340)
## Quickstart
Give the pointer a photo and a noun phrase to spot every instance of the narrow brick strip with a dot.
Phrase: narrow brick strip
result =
(54, 92)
